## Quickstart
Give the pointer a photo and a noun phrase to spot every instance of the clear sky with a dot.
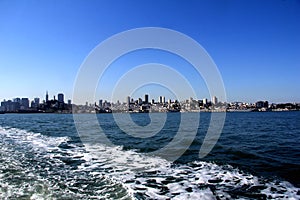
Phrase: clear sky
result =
(255, 44)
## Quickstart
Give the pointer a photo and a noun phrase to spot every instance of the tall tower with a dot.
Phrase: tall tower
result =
(146, 98)
(128, 101)
(47, 96)
(101, 103)
(214, 100)
(60, 98)
(204, 101)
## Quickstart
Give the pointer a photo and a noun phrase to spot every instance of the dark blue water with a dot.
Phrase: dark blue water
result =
(42, 157)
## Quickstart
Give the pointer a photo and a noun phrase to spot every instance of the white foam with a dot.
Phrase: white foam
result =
(193, 181)
(135, 170)
(36, 140)
(149, 176)
(46, 150)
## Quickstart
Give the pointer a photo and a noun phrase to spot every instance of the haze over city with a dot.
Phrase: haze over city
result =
(254, 44)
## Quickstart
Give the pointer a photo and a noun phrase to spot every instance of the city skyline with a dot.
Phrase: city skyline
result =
(254, 45)
(144, 104)
(145, 97)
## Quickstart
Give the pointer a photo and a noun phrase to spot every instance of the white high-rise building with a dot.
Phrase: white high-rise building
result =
(214, 100)
(204, 101)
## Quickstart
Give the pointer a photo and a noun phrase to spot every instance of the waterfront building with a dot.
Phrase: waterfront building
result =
(10, 106)
(69, 102)
(191, 100)
(262, 104)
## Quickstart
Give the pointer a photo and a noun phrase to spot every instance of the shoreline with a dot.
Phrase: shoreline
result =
(194, 111)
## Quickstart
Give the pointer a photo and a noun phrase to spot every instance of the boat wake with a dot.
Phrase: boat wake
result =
(34, 166)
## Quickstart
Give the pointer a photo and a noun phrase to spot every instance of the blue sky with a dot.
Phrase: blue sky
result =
(255, 44)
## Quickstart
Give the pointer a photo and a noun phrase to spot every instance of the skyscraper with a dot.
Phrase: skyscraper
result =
(17, 100)
(140, 101)
(24, 103)
(47, 96)
(214, 100)
(146, 98)
(128, 101)
(60, 98)
(160, 99)
(36, 102)
(100, 103)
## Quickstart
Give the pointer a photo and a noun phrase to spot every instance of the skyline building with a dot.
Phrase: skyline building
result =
(140, 101)
(204, 101)
(146, 98)
(35, 103)
(162, 99)
(60, 98)
(214, 100)
(47, 96)
(17, 100)
(24, 104)
(128, 101)
(100, 103)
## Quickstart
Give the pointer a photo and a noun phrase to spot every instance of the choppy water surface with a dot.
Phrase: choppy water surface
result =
(42, 157)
